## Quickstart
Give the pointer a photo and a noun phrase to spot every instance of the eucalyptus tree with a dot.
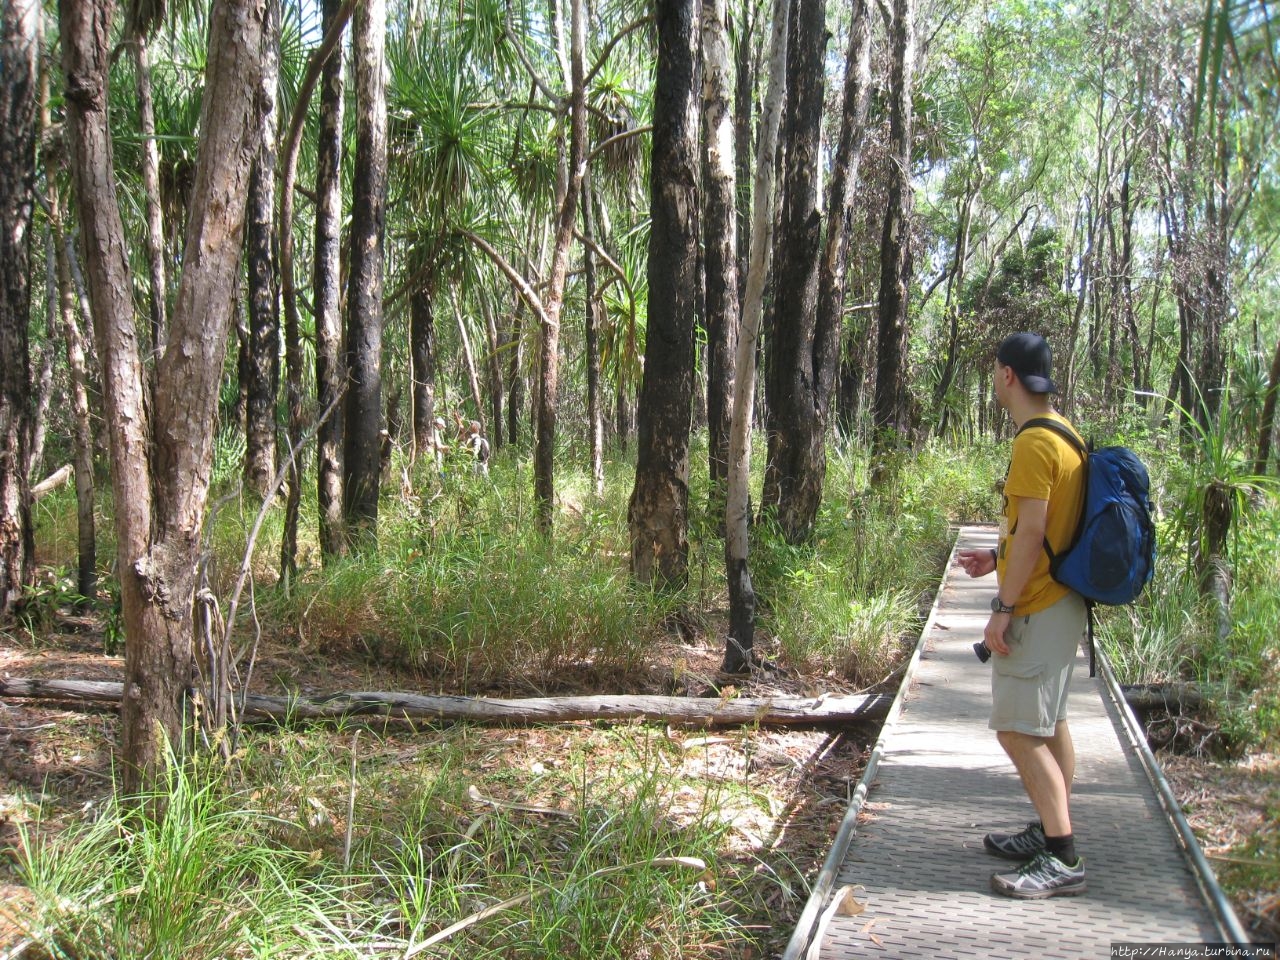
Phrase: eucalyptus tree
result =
(161, 456)
(797, 452)
(362, 441)
(60, 256)
(260, 363)
(568, 188)
(846, 163)
(742, 597)
(658, 513)
(892, 400)
(720, 237)
(326, 293)
(19, 53)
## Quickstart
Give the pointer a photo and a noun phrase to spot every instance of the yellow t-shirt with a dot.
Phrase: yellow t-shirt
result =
(1044, 466)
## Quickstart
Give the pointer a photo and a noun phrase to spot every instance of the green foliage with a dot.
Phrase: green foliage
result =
(1176, 631)
(852, 601)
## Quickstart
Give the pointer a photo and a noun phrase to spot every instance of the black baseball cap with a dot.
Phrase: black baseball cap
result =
(1029, 356)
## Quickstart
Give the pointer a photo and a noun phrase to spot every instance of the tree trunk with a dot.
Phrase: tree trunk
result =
(160, 478)
(742, 597)
(844, 177)
(19, 54)
(422, 356)
(151, 186)
(493, 364)
(544, 490)
(362, 446)
(77, 365)
(61, 256)
(720, 241)
(1267, 428)
(892, 414)
(262, 363)
(595, 415)
(658, 514)
(327, 296)
(797, 453)
(695, 711)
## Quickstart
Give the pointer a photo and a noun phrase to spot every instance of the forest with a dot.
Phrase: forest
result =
(523, 348)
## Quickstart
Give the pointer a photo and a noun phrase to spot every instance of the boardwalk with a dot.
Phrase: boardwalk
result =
(942, 782)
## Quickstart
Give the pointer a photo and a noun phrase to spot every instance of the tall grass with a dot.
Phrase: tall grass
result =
(624, 858)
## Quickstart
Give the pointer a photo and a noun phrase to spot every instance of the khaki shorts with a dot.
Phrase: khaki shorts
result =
(1029, 687)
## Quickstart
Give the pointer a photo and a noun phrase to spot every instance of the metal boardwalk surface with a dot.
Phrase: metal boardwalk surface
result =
(943, 781)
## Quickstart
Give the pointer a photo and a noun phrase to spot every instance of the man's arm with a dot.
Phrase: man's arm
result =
(1023, 552)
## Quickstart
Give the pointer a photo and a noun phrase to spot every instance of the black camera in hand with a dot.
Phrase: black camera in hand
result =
(982, 651)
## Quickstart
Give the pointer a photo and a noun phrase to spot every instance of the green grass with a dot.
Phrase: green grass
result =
(624, 856)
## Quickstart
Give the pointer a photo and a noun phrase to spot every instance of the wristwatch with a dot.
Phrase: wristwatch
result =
(999, 606)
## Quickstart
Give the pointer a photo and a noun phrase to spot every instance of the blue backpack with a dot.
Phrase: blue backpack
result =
(1112, 554)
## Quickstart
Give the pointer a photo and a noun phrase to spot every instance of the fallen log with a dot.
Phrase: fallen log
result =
(694, 711)
(51, 482)
(1174, 697)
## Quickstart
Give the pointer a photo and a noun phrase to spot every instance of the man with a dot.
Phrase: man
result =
(1035, 627)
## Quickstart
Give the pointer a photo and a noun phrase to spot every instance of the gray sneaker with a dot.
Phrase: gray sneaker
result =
(1024, 845)
(1045, 876)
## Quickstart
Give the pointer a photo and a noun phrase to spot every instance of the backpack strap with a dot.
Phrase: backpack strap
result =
(1062, 430)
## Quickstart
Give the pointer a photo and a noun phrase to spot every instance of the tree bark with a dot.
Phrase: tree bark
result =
(262, 363)
(422, 356)
(844, 176)
(595, 403)
(892, 413)
(1267, 428)
(19, 54)
(544, 489)
(692, 711)
(742, 597)
(160, 493)
(78, 367)
(658, 514)
(321, 67)
(720, 241)
(327, 297)
(151, 186)
(797, 453)
(362, 446)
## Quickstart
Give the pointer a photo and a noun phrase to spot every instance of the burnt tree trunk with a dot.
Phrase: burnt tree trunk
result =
(658, 514)
(844, 175)
(742, 597)
(362, 445)
(1267, 428)
(892, 413)
(327, 297)
(720, 240)
(422, 357)
(19, 27)
(797, 452)
(262, 362)
(595, 403)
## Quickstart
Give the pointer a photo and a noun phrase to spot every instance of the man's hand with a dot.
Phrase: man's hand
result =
(993, 636)
(976, 563)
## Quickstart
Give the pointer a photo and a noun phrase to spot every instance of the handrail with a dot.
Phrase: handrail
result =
(1229, 925)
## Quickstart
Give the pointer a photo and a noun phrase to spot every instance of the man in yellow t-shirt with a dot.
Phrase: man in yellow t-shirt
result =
(1035, 627)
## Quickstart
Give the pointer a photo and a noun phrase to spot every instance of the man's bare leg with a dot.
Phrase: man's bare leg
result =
(1042, 776)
